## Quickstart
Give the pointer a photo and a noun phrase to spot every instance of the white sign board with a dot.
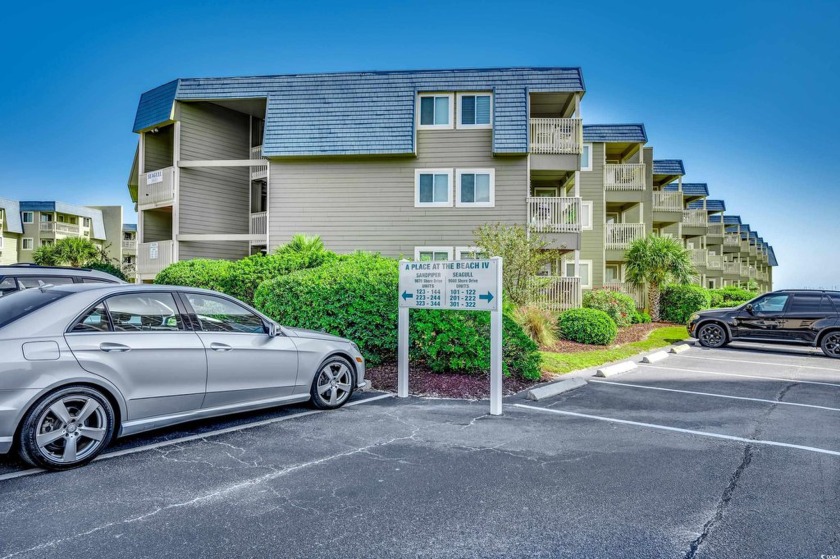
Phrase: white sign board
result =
(470, 285)
(154, 177)
(153, 251)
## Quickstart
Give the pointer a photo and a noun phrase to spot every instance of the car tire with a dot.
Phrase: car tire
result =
(830, 344)
(67, 428)
(712, 335)
(333, 384)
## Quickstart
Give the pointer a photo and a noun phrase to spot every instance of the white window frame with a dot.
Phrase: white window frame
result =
(447, 250)
(459, 173)
(461, 112)
(589, 166)
(417, 203)
(583, 263)
(450, 125)
(31, 244)
(31, 216)
(587, 208)
(459, 251)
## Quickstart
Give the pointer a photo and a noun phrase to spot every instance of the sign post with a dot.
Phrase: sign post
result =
(464, 285)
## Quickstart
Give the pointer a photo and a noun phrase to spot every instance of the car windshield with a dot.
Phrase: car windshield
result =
(23, 303)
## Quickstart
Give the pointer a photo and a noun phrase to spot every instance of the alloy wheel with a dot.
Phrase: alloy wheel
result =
(71, 429)
(712, 335)
(831, 344)
(335, 383)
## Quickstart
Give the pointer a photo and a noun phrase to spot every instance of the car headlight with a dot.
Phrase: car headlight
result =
(356, 347)
(694, 317)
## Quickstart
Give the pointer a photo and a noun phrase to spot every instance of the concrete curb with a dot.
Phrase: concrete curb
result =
(655, 357)
(555, 388)
(617, 369)
(682, 348)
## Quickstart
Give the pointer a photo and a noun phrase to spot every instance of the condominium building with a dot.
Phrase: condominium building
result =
(11, 230)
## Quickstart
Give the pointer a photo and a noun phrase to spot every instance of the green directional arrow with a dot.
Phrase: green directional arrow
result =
(488, 297)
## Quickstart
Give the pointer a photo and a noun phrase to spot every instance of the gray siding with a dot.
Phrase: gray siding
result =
(157, 226)
(213, 200)
(592, 189)
(159, 149)
(368, 204)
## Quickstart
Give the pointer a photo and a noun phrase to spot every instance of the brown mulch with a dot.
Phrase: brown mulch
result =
(632, 333)
(423, 382)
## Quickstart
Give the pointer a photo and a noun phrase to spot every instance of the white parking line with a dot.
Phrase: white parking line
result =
(679, 430)
(760, 363)
(775, 379)
(196, 437)
(762, 400)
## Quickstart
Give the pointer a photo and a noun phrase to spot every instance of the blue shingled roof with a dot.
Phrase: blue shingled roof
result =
(709, 205)
(771, 256)
(668, 166)
(97, 223)
(363, 112)
(727, 219)
(12, 223)
(615, 133)
(690, 188)
(129, 227)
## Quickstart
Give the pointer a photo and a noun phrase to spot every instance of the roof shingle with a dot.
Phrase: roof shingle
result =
(615, 133)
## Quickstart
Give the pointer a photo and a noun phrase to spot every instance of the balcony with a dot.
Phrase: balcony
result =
(636, 292)
(259, 223)
(623, 177)
(732, 268)
(557, 293)
(619, 236)
(715, 230)
(732, 240)
(695, 218)
(554, 215)
(698, 256)
(258, 172)
(667, 201)
(129, 246)
(556, 136)
(156, 189)
(714, 262)
(154, 257)
(57, 228)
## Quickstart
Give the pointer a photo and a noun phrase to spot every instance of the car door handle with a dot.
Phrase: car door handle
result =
(105, 346)
(220, 347)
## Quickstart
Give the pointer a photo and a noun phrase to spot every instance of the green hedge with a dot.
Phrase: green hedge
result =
(587, 326)
(730, 296)
(245, 276)
(679, 302)
(108, 268)
(200, 272)
(620, 307)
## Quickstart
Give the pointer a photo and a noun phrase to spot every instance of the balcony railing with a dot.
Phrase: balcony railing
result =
(695, 218)
(715, 230)
(554, 215)
(157, 188)
(154, 257)
(556, 135)
(732, 268)
(732, 239)
(620, 235)
(698, 256)
(59, 228)
(259, 223)
(624, 176)
(714, 262)
(129, 245)
(668, 201)
(636, 292)
(557, 293)
(258, 171)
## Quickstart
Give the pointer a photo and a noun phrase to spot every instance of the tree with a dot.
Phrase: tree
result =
(656, 261)
(46, 255)
(303, 244)
(523, 256)
(75, 251)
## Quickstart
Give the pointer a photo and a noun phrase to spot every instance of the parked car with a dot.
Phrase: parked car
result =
(803, 317)
(18, 277)
(85, 363)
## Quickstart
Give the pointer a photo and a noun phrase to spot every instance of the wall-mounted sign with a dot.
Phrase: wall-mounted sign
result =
(153, 251)
(154, 177)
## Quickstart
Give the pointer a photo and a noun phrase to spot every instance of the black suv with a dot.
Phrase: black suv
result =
(18, 277)
(785, 317)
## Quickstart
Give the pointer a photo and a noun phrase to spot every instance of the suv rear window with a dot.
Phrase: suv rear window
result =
(13, 308)
(28, 282)
(7, 285)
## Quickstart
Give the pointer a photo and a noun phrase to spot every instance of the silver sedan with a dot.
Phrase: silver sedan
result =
(83, 364)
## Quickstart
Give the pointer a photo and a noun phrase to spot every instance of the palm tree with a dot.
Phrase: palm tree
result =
(304, 244)
(75, 251)
(655, 261)
(45, 255)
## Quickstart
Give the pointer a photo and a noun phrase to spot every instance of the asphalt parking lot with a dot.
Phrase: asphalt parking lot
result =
(712, 453)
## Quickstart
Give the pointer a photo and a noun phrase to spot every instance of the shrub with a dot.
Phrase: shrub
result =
(201, 272)
(643, 318)
(108, 268)
(587, 326)
(620, 307)
(679, 302)
(730, 296)
(524, 256)
(245, 276)
(539, 324)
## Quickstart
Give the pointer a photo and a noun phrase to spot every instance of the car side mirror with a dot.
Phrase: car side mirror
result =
(272, 329)
(749, 308)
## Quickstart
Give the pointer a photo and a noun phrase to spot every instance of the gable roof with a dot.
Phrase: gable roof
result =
(727, 219)
(667, 166)
(97, 223)
(615, 133)
(363, 113)
(12, 222)
(690, 188)
(708, 205)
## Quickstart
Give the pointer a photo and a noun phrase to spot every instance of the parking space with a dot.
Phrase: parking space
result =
(708, 454)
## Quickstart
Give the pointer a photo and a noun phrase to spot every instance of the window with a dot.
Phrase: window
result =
(586, 157)
(7, 285)
(216, 314)
(612, 274)
(39, 281)
(836, 300)
(144, 312)
(476, 188)
(435, 111)
(810, 303)
(469, 253)
(96, 320)
(46, 242)
(433, 188)
(585, 272)
(12, 308)
(770, 303)
(27, 244)
(586, 215)
(429, 254)
(475, 110)
(47, 218)
(28, 217)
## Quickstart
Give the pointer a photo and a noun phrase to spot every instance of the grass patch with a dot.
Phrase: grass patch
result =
(561, 363)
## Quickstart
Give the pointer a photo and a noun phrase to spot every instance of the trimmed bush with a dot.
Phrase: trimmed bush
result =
(245, 276)
(587, 326)
(679, 302)
(643, 318)
(620, 307)
(108, 268)
(201, 272)
(730, 296)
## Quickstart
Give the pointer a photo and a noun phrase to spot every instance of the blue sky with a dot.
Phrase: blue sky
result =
(742, 92)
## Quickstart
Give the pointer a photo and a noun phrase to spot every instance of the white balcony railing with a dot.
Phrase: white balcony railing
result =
(258, 171)
(556, 135)
(715, 230)
(668, 201)
(129, 245)
(634, 291)
(156, 189)
(554, 215)
(59, 228)
(624, 176)
(698, 256)
(557, 293)
(714, 262)
(259, 223)
(620, 235)
(732, 239)
(695, 218)
(153, 257)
